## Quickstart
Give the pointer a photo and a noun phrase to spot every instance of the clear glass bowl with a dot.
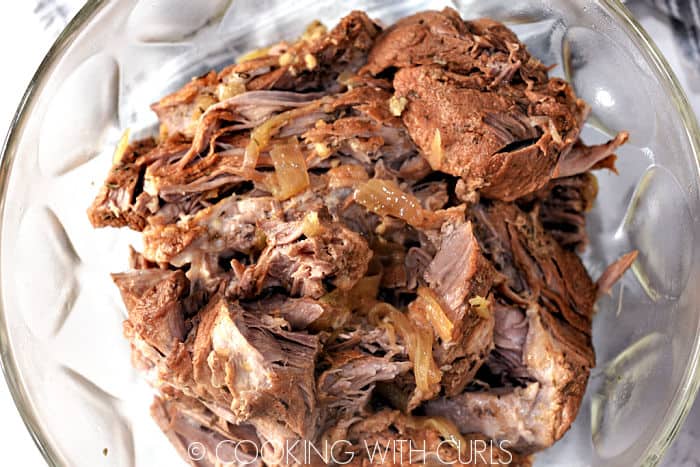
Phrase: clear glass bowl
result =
(60, 328)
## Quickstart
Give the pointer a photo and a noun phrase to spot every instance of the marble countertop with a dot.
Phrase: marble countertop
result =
(25, 41)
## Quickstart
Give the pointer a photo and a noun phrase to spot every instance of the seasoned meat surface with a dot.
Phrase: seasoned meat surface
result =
(483, 46)
(498, 141)
(480, 107)
(366, 236)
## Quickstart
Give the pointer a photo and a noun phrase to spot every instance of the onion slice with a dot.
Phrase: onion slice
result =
(429, 302)
(418, 340)
(385, 197)
(260, 136)
(121, 148)
(362, 294)
(290, 170)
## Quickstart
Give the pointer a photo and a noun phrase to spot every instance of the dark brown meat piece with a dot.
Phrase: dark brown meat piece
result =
(343, 50)
(535, 268)
(114, 205)
(504, 143)
(582, 158)
(562, 206)
(614, 272)
(481, 108)
(482, 47)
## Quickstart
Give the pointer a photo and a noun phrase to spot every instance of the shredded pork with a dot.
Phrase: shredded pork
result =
(368, 234)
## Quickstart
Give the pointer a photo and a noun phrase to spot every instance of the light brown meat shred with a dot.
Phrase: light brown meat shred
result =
(416, 280)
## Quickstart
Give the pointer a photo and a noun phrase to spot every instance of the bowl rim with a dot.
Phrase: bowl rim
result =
(690, 382)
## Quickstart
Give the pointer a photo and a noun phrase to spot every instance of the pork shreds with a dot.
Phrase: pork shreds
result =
(364, 235)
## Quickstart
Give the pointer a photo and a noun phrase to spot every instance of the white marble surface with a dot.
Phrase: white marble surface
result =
(24, 42)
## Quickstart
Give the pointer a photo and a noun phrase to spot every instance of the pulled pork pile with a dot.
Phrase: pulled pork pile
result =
(366, 235)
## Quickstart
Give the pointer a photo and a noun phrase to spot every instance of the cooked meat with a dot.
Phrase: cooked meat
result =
(345, 388)
(368, 133)
(115, 204)
(267, 370)
(582, 158)
(301, 313)
(242, 112)
(458, 272)
(460, 276)
(314, 62)
(184, 428)
(484, 48)
(562, 206)
(534, 416)
(319, 59)
(542, 356)
(506, 143)
(535, 268)
(229, 226)
(369, 237)
(506, 359)
(383, 439)
(481, 108)
(153, 298)
(301, 264)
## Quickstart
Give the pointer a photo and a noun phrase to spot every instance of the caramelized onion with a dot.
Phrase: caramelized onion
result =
(314, 31)
(385, 197)
(261, 135)
(254, 54)
(121, 148)
(362, 294)
(232, 85)
(397, 105)
(290, 170)
(481, 305)
(436, 153)
(418, 340)
(201, 103)
(311, 226)
(428, 302)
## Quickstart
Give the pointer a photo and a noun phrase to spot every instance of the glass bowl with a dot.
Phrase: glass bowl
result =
(63, 354)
